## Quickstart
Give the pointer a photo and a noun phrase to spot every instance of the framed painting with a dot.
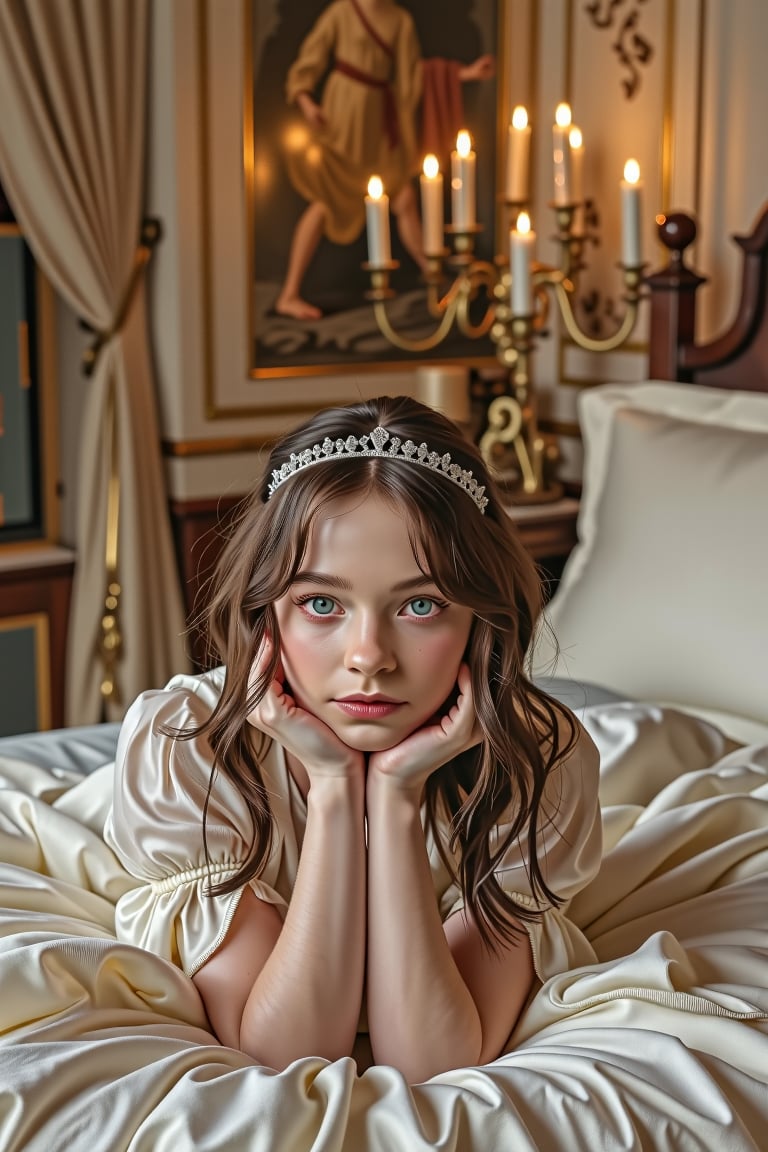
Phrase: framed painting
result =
(340, 91)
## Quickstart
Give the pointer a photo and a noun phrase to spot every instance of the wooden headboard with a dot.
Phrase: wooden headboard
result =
(738, 358)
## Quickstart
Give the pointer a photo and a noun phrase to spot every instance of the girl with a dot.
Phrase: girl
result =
(364, 824)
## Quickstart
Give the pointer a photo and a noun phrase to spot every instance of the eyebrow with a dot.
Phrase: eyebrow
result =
(307, 577)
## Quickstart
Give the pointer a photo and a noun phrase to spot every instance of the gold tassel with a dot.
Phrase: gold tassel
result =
(111, 638)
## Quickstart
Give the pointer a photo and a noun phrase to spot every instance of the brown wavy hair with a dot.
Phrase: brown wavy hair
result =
(476, 561)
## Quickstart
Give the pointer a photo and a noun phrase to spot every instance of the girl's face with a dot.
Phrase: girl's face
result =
(368, 643)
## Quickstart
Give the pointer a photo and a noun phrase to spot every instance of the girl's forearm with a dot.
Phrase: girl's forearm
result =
(421, 1015)
(306, 999)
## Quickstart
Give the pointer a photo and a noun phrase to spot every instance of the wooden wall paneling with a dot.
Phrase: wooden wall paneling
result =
(37, 583)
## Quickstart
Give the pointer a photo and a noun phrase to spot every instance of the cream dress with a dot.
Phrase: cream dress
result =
(155, 828)
(333, 165)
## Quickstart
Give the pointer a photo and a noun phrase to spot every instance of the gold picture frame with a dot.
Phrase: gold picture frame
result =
(346, 340)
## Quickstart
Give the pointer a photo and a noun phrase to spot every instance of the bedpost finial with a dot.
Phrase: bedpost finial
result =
(677, 231)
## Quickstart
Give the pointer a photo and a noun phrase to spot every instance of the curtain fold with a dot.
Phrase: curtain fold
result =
(72, 147)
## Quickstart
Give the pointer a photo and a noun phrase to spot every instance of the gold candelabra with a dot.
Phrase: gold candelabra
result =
(512, 418)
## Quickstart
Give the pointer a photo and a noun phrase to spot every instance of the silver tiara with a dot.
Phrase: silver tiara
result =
(373, 444)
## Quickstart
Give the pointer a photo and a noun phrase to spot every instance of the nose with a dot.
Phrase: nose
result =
(369, 649)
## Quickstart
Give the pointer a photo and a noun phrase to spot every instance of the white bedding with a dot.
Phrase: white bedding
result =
(662, 1043)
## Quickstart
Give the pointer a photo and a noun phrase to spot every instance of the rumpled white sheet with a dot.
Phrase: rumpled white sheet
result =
(663, 1044)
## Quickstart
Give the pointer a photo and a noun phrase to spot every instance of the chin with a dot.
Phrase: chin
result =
(370, 736)
(372, 742)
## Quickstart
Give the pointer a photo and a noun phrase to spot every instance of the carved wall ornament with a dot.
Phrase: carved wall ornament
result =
(633, 49)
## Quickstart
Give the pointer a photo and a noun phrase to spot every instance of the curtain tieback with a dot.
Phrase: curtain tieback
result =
(150, 234)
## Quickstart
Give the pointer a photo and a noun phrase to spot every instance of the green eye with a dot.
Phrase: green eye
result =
(322, 605)
(422, 606)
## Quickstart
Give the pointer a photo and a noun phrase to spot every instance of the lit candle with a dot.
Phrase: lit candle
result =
(561, 151)
(518, 156)
(521, 241)
(631, 248)
(377, 223)
(576, 142)
(432, 205)
(463, 182)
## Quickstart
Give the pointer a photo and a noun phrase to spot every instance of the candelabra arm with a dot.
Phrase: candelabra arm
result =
(427, 343)
(437, 304)
(479, 273)
(590, 343)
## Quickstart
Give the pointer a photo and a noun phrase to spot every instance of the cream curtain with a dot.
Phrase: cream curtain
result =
(72, 136)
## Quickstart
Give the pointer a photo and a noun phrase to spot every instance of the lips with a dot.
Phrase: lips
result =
(374, 707)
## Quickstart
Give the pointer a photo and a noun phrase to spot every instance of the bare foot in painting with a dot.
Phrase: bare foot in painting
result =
(296, 308)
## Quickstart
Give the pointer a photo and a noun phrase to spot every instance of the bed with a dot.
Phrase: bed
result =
(661, 1041)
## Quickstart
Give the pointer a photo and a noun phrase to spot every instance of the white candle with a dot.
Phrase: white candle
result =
(432, 206)
(463, 182)
(518, 156)
(377, 223)
(561, 152)
(446, 388)
(521, 241)
(576, 142)
(631, 231)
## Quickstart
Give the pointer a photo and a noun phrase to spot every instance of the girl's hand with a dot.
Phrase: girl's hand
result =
(409, 763)
(313, 743)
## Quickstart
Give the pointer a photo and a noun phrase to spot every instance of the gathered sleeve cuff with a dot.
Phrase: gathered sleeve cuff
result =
(156, 829)
(569, 849)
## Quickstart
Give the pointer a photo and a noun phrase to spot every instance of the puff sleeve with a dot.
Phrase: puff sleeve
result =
(156, 829)
(569, 844)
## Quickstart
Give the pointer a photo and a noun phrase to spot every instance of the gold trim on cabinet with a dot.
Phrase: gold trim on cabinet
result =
(22, 340)
(49, 423)
(39, 622)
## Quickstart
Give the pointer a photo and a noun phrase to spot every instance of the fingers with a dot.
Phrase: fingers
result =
(466, 716)
(268, 689)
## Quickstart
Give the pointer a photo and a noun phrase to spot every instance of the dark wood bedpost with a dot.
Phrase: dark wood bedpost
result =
(673, 300)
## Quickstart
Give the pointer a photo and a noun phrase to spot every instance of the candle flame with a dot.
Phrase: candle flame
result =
(431, 166)
(519, 117)
(463, 143)
(575, 137)
(631, 171)
(375, 188)
(563, 115)
(523, 225)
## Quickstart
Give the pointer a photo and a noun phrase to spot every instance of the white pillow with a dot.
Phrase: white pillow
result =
(665, 597)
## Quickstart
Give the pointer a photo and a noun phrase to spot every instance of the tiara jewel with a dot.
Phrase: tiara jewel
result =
(380, 443)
